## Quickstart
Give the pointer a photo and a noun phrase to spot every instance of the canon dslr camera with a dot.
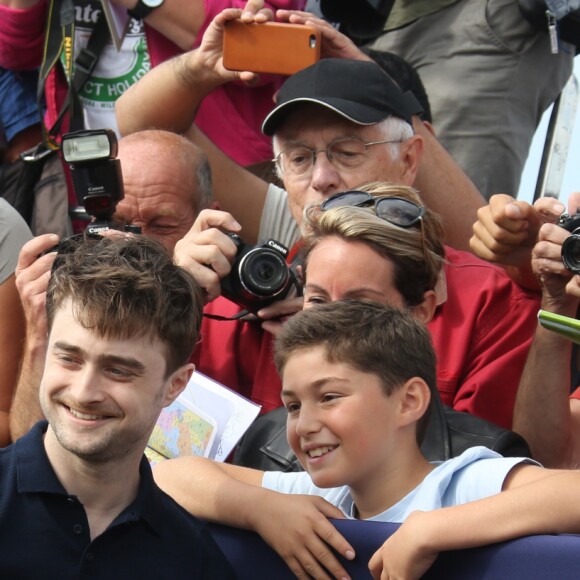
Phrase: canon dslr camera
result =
(259, 275)
(571, 245)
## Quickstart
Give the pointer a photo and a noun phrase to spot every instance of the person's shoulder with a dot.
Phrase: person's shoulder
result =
(187, 543)
(12, 222)
(24, 465)
(477, 473)
(163, 513)
(469, 456)
(177, 518)
(464, 268)
(482, 460)
(462, 259)
(7, 457)
(276, 198)
(277, 190)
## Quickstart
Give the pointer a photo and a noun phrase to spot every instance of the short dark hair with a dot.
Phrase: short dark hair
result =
(368, 336)
(128, 286)
(404, 75)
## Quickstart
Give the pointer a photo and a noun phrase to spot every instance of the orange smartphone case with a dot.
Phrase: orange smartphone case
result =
(270, 47)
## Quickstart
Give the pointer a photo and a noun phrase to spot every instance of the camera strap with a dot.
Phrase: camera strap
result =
(252, 317)
(60, 31)
(237, 316)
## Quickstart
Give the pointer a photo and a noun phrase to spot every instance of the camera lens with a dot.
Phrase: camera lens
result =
(263, 272)
(571, 253)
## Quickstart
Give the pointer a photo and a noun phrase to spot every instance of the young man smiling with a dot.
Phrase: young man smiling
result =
(77, 496)
(167, 182)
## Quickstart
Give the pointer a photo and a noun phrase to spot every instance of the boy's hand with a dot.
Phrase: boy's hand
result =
(297, 528)
(404, 554)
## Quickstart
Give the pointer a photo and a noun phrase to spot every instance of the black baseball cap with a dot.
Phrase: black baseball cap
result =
(358, 90)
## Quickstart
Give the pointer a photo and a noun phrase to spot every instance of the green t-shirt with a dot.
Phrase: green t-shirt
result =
(406, 11)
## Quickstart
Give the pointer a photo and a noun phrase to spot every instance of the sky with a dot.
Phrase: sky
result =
(571, 180)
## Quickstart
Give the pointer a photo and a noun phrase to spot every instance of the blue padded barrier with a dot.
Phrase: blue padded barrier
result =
(530, 558)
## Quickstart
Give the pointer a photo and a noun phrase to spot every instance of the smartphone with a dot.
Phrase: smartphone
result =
(270, 47)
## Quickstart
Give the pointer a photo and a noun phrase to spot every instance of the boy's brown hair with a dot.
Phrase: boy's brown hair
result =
(369, 337)
(128, 286)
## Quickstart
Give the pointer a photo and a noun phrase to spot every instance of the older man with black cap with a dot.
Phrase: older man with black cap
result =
(359, 117)
(168, 97)
(337, 124)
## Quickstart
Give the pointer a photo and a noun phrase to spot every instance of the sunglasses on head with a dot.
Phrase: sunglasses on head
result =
(395, 210)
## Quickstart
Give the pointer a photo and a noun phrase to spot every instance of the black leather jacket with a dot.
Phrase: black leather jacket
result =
(449, 433)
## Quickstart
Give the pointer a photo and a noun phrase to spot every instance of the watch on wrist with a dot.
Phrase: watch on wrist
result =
(143, 8)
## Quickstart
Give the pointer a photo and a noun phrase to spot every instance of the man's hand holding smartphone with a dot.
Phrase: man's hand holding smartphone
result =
(270, 47)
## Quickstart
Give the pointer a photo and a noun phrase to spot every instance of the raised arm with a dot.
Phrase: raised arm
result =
(168, 96)
(182, 20)
(180, 84)
(238, 191)
(446, 189)
(178, 20)
(542, 412)
(296, 526)
(534, 501)
(11, 348)
(32, 276)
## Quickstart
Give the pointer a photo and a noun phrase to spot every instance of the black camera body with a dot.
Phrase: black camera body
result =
(259, 275)
(571, 245)
(96, 176)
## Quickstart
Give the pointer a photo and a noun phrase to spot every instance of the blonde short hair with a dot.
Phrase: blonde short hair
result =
(416, 267)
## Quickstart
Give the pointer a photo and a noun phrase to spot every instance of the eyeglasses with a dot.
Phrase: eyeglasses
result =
(343, 154)
(396, 210)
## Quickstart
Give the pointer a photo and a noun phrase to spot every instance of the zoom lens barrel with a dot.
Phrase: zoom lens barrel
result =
(571, 253)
